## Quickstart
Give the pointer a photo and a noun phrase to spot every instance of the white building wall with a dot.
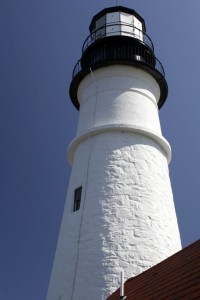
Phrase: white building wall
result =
(119, 95)
(127, 218)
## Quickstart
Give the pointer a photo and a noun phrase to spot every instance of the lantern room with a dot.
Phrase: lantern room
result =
(117, 21)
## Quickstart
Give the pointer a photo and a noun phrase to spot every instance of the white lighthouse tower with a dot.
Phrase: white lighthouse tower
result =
(119, 212)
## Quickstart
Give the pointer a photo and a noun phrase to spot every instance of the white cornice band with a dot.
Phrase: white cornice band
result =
(119, 127)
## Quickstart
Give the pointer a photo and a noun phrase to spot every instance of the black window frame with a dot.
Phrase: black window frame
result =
(77, 198)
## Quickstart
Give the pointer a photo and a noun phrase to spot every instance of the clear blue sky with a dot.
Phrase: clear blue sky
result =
(41, 41)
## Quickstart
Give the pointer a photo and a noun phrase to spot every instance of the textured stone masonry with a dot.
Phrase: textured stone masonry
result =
(127, 218)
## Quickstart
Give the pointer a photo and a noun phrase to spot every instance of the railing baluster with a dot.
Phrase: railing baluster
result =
(102, 30)
(116, 52)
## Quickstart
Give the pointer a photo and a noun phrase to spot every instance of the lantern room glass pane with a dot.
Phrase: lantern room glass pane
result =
(113, 24)
(100, 27)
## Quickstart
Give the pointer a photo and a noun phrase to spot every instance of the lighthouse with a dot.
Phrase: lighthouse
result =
(119, 213)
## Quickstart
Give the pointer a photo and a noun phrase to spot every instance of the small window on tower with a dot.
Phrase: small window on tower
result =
(77, 198)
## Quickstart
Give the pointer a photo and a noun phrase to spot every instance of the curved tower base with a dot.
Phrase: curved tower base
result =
(126, 218)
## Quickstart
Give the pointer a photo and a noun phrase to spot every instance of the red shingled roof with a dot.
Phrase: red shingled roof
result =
(177, 277)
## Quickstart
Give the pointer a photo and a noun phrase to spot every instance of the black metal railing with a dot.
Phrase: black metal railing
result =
(116, 53)
(118, 29)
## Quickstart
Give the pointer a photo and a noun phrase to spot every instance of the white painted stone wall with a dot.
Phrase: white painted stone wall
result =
(127, 218)
(119, 95)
